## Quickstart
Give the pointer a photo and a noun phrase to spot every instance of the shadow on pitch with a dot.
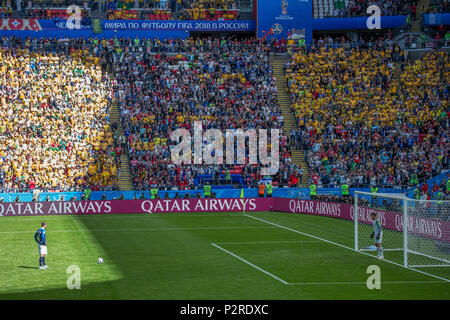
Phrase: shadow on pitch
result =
(27, 267)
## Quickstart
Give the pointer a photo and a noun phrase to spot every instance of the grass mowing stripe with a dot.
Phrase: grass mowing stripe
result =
(123, 216)
(148, 229)
(249, 263)
(345, 247)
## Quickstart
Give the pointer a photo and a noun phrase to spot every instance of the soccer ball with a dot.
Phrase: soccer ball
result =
(100, 260)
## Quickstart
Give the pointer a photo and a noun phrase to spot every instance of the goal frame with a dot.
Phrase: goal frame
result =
(404, 246)
(405, 217)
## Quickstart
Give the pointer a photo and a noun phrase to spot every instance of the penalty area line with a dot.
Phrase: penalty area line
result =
(249, 263)
(345, 247)
(265, 242)
(308, 283)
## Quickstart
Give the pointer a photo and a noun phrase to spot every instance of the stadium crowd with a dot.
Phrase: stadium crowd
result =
(363, 124)
(224, 84)
(5, 12)
(438, 6)
(127, 9)
(54, 128)
(384, 129)
(357, 8)
(206, 10)
(175, 9)
(52, 3)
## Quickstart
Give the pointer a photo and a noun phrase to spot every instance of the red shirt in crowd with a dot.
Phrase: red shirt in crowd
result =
(424, 188)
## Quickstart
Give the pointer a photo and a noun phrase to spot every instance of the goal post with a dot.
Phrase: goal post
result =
(416, 233)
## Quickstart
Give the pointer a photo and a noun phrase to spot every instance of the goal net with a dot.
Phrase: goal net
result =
(416, 233)
(428, 233)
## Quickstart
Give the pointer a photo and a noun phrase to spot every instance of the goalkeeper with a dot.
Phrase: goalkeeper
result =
(378, 233)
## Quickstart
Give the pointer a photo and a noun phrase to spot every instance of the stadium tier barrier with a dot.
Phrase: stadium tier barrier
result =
(436, 19)
(170, 28)
(437, 228)
(430, 182)
(64, 43)
(220, 192)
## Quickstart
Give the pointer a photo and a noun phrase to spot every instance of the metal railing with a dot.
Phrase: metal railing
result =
(123, 46)
(362, 45)
(129, 45)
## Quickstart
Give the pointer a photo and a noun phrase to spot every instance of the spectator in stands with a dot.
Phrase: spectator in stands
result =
(438, 6)
(225, 84)
(207, 10)
(53, 122)
(5, 12)
(363, 125)
(358, 8)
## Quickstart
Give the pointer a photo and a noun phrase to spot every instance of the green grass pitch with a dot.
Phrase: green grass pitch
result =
(265, 255)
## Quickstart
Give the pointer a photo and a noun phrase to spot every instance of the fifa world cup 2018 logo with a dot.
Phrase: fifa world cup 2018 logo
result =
(284, 5)
(277, 28)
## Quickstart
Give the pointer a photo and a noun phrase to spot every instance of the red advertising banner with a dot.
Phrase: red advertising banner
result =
(134, 206)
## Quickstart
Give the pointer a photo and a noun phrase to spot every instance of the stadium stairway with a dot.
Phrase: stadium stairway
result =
(397, 71)
(125, 180)
(422, 5)
(297, 156)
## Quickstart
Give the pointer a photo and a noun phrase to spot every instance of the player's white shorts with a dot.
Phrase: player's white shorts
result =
(379, 240)
(42, 249)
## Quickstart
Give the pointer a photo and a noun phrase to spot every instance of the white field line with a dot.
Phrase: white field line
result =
(250, 264)
(429, 266)
(257, 242)
(303, 283)
(343, 246)
(374, 249)
(428, 256)
(144, 229)
(365, 283)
